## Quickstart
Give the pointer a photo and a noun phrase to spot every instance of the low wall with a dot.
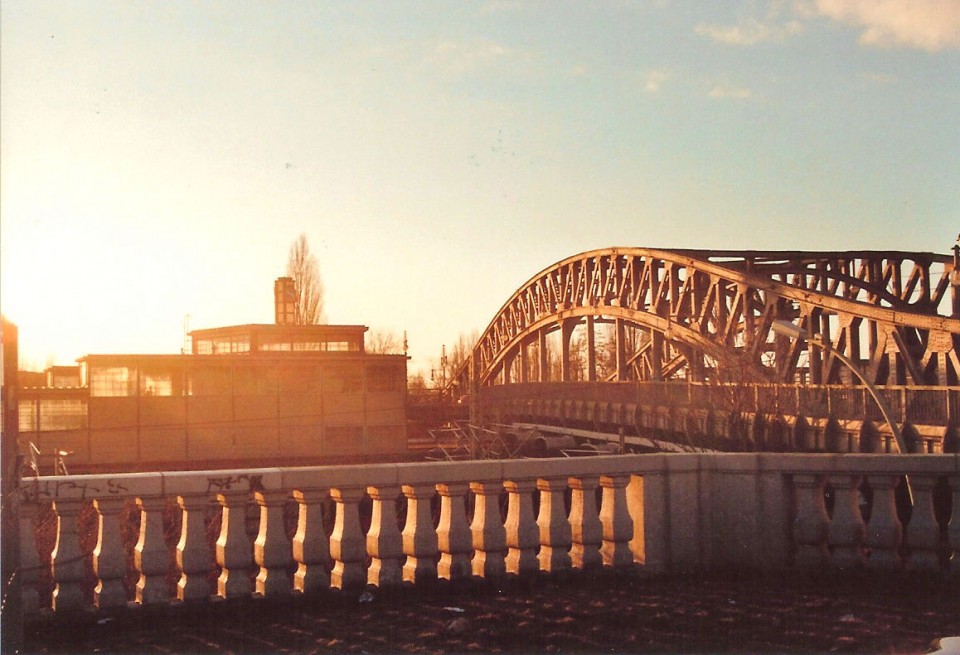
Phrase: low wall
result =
(305, 530)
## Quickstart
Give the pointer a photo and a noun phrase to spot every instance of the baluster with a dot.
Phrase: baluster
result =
(923, 533)
(554, 527)
(347, 543)
(489, 536)
(884, 532)
(271, 550)
(522, 537)
(954, 529)
(810, 525)
(453, 533)
(586, 529)
(384, 543)
(617, 524)
(311, 549)
(66, 559)
(150, 555)
(29, 559)
(194, 559)
(109, 560)
(419, 537)
(234, 551)
(846, 531)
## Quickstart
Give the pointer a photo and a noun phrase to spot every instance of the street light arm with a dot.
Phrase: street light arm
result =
(884, 410)
(791, 331)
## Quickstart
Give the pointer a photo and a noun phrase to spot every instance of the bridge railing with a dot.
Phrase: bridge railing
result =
(931, 406)
(115, 541)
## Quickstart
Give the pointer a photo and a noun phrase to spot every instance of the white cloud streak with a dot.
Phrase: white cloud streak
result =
(653, 80)
(930, 25)
(750, 32)
(725, 91)
(456, 57)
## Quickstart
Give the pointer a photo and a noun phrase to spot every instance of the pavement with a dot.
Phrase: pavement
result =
(613, 613)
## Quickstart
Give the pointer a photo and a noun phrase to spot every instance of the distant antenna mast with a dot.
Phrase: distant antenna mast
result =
(443, 366)
(186, 348)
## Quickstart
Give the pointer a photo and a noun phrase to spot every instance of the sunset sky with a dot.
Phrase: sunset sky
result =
(157, 159)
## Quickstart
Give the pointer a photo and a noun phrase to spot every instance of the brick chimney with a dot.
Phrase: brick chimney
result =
(285, 301)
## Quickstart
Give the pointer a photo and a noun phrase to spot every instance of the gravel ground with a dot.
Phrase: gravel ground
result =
(610, 614)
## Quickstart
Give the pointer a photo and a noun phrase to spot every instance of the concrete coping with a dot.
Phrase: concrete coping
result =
(213, 482)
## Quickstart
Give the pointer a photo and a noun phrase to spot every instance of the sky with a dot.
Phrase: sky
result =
(157, 159)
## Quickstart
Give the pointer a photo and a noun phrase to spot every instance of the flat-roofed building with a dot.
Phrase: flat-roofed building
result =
(246, 394)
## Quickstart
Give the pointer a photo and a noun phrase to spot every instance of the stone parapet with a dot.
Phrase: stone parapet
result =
(633, 513)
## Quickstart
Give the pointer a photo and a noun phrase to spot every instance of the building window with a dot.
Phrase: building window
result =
(231, 345)
(343, 379)
(308, 346)
(28, 415)
(385, 379)
(223, 345)
(63, 376)
(275, 346)
(63, 414)
(113, 381)
(156, 383)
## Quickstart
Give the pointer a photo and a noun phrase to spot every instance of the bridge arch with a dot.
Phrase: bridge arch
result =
(706, 315)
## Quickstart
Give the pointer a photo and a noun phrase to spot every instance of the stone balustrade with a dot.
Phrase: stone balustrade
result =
(282, 532)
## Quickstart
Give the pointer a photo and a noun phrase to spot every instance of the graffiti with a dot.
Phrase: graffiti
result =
(115, 487)
(61, 488)
(228, 483)
(72, 489)
(54, 489)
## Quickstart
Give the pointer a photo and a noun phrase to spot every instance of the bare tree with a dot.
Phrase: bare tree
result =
(302, 266)
(417, 382)
(384, 342)
(461, 351)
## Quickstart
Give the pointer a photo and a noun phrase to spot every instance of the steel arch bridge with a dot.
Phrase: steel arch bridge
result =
(643, 314)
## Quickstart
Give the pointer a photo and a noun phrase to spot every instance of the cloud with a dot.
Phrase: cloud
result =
(930, 25)
(751, 31)
(457, 57)
(654, 79)
(721, 91)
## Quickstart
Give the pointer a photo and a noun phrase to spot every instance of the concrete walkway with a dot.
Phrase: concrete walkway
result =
(622, 614)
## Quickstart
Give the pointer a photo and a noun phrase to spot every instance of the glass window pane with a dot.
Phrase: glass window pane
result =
(384, 379)
(28, 415)
(112, 380)
(156, 383)
(343, 379)
(63, 414)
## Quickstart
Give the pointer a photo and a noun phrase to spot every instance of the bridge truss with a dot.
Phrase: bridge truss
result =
(624, 314)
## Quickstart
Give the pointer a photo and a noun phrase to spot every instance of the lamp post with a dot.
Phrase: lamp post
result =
(793, 332)
(955, 278)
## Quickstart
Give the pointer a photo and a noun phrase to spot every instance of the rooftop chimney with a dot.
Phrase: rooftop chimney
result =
(285, 301)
